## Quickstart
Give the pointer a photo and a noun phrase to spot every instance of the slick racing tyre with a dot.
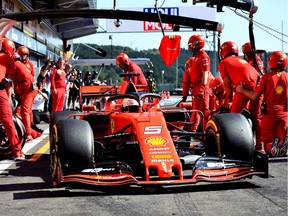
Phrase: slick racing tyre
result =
(4, 142)
(57, 116)
(71, 145)
(229, 135)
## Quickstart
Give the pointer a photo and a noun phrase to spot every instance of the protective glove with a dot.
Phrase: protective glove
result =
(2, 86)
(4, 82)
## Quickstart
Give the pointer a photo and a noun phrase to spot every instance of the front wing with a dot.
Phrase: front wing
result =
(205, 169)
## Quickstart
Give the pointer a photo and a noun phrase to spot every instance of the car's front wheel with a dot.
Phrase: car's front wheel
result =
(229, 135)
(71, 146)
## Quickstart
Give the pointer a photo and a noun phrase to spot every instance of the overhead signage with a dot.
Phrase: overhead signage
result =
(156, 26)
(198, 12)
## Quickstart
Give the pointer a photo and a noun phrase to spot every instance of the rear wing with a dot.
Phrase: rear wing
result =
(95, 92)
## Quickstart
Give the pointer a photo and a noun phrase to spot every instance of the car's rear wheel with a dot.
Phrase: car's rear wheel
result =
(229, 135)
(71, 146)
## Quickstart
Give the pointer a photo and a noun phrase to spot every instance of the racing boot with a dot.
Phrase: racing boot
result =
(19, 156)
(35, 134)
(272, 149)
(283, 148)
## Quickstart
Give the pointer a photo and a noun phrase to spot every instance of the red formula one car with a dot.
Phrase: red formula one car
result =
(134, 141)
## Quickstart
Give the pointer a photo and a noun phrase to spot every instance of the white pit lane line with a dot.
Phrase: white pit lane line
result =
(5, 164)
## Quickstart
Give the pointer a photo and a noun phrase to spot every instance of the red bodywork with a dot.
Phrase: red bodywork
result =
(148, 130)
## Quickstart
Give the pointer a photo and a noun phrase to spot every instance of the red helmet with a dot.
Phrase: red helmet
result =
(8, 46)
(228, 48)
(189, 62)
(246, 48)
(22, 50)
(196, 42)
(277, 60)
(122, 60)
(216, 85)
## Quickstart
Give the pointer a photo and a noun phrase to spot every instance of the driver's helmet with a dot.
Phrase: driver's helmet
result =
(122, 60)
(130, 105)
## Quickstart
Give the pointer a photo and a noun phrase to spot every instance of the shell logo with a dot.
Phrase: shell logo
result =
(279, 90)
(156, 141)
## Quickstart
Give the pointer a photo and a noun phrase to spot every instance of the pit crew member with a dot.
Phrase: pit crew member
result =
(128, 66)
(7, 70)
(27, 89)
(199, 73)
(233, 70)
(273, 86)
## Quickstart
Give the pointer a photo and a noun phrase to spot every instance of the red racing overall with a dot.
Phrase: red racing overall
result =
(7, 70)
(274, 124)
(58, 87)
(27, 91)
(198, 75)
(239, 70)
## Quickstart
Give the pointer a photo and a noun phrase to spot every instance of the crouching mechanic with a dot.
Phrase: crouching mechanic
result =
(273, 86)
(217, 89)
(128, 66)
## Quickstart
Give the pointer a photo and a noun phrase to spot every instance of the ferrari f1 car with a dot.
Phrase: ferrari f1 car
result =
(134, 141)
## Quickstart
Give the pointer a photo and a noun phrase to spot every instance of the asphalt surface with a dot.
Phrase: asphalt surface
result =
(26, 189)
